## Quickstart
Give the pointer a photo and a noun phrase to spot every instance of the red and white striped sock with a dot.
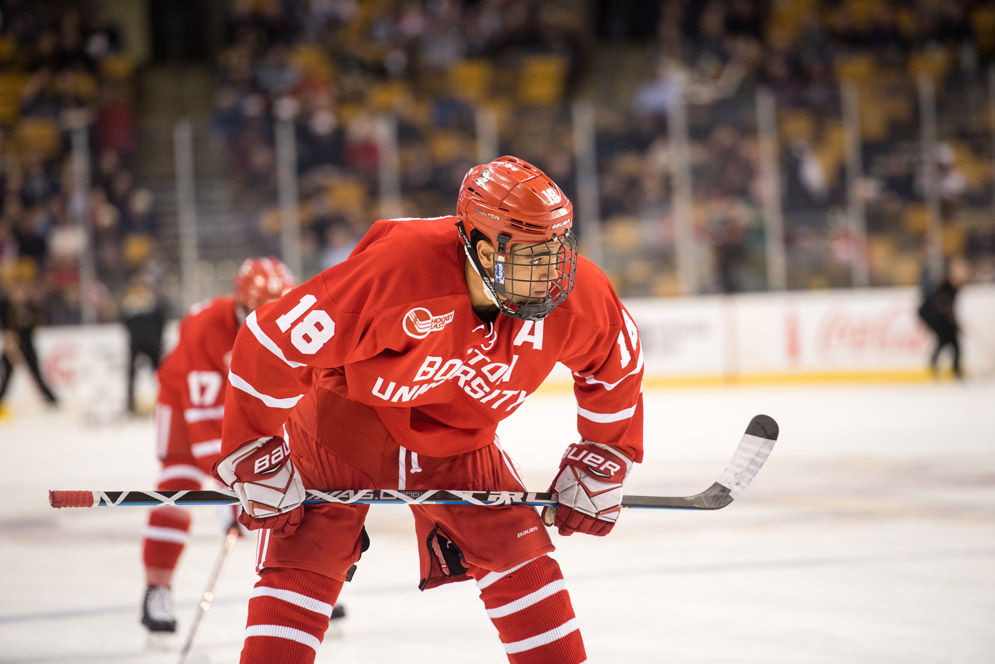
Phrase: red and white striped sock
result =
(531, 609)
(165, 537)
(288, 615)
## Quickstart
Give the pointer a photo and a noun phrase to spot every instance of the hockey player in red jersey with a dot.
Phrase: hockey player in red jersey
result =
(392, 370)
(189, 407)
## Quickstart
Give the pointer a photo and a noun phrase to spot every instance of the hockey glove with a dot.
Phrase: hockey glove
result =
(266, 483)
(589, 489)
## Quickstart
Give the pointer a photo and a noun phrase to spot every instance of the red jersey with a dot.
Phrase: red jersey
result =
(393, 327)
(192, 377)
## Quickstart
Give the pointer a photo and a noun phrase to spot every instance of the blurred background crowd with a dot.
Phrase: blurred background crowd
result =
(389, 103)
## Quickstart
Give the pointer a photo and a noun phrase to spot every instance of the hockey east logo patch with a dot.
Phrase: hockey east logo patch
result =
(419, 322)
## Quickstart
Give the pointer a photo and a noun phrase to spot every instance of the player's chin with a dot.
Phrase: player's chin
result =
(536, 298)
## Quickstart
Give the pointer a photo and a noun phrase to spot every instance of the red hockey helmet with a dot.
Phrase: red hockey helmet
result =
(523, 213)
(262, 280)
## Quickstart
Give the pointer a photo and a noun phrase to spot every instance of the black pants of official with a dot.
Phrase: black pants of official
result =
(946, 337)
(154, 355)
(27, 350)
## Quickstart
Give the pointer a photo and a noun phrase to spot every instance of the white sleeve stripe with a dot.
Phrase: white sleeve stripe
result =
(611, 386)
(283, 632)
(603, 418)
(522, 603)
(241, 384)
(542, 639)
(191, 415)
(268, 343)
(206, 448)
(297, 599)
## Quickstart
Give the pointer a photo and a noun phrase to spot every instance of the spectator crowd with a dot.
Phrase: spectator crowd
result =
(447, 73)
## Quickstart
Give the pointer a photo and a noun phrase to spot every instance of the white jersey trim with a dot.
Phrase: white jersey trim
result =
(604, 418)
(243, 385)
(206, 448)
(268, 343)
(191, 415)
(590, 380)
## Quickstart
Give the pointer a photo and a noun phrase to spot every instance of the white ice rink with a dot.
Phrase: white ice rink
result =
(868, 537)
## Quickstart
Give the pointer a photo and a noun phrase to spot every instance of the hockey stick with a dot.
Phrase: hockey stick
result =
(205, 600)
(753, 450)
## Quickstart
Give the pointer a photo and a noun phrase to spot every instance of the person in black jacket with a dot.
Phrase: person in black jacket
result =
(939, 313)
(18, 319)
(143, 312)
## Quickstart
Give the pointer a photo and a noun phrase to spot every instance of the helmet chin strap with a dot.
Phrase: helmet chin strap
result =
(485, 285)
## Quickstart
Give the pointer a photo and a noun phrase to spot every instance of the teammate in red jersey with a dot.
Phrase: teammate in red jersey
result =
(392, 370)
(189, 407)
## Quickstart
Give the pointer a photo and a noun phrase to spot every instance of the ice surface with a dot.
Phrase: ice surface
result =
(868, 537)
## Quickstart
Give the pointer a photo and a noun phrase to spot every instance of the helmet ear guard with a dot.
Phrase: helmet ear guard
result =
(527, 219)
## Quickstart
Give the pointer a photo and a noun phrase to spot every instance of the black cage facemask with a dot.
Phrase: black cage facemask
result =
(520, 275)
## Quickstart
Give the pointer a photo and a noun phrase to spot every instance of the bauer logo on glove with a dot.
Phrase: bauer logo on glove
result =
(588, 488)
(266, 483)
(597, 465)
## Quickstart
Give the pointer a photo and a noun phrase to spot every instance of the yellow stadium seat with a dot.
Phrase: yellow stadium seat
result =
(916, 218)
(797, 124)
(346, 194)
(934, 63)
(137, 248)
(952, 239)
(11, 85)
(387, 96)
(542, 79)
(983, 24)
(117, 67)
(38, 134)
(8, 48)
(471, 79)
(856, 68)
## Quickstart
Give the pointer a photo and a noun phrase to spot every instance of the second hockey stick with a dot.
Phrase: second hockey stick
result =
(746, 462)
(208, 596)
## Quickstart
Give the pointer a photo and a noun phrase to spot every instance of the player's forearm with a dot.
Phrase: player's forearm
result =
(262, 390)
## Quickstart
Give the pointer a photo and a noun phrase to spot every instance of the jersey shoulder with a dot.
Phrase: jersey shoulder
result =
(209, 327)
(217, 311)
(593, 297)
(397, 262)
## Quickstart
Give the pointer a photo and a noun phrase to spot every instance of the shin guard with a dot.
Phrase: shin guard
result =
(530, 607)
(288, 614)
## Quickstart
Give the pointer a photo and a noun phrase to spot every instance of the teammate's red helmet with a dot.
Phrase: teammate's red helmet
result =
(512, 202)
(262, 280)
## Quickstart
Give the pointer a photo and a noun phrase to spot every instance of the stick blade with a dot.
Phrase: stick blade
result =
(753, 450)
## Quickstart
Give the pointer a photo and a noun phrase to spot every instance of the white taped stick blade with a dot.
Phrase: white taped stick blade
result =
(753, 450)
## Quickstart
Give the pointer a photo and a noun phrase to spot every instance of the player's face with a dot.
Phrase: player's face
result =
(531, 270)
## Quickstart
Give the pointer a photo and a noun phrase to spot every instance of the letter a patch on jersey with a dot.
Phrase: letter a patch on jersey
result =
(419, 322)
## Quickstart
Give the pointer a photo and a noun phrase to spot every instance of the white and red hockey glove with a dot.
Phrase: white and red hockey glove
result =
(266, 483)
(589, 489)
